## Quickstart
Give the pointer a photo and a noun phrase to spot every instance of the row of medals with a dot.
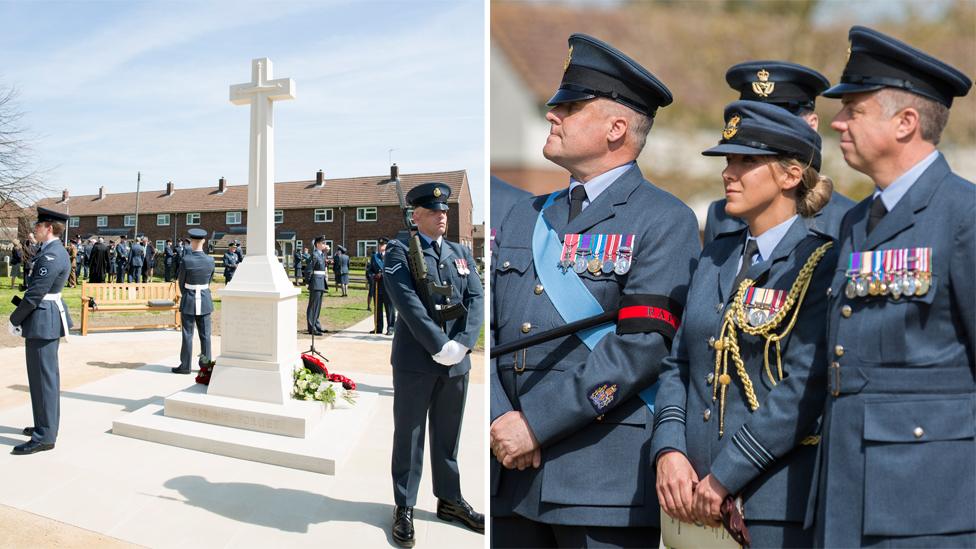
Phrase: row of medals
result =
(584, 262)
(907, 283)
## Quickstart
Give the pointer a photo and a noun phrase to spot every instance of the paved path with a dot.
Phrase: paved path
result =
(99, 489)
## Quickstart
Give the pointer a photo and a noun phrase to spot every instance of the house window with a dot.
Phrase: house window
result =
(101, 221)
(330, 245)
(365, 247)
(323, 215)
(74, 221)
(233, 218)
(366, 214)
(162, 220)
(279, 216)
(298, 244)
(193, 219)
(129, 221)
(160, 244)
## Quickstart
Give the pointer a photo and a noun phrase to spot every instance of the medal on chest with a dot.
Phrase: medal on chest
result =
(597, 253)
(896, 272)
(761, 304)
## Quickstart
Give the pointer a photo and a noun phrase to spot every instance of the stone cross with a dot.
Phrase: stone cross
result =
(260, 93)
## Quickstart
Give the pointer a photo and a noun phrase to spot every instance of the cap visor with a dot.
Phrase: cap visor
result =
(839, 90)
(568, 96)
(733, 148)
(440, 206)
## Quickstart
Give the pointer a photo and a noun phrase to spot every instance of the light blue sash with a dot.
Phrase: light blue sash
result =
(567, 292)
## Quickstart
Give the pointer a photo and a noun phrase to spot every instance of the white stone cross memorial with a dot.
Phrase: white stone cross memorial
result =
(259, 306)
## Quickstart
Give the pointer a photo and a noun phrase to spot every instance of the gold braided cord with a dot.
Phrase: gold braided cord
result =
(811, 440)
(735, 317)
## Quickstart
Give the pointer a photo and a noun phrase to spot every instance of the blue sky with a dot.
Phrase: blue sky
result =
(111, 88)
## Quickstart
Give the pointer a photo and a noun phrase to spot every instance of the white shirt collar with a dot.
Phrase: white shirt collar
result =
(594, 187)
(897, 189)
(428, 240)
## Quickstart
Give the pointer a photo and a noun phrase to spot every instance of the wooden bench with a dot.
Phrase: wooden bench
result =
(129, 297)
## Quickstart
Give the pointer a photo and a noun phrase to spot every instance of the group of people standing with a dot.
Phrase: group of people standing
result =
(339, 262)
(804, 379)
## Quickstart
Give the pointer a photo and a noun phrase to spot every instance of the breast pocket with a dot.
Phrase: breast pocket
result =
(511, 271)
(605, 288)
(919, 461)
(892, 331)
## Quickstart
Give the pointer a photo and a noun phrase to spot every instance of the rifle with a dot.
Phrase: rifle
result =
(427, 288)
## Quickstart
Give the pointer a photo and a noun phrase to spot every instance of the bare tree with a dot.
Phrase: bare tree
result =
(21, 182)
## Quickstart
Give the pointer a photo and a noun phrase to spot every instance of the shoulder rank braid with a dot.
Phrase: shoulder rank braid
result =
(728, 344)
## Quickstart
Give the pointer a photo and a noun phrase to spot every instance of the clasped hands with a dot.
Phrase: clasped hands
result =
(681, 494)
(512, 442)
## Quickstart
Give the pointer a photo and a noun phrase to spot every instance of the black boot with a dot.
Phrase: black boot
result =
(403, 526)
(462, 512)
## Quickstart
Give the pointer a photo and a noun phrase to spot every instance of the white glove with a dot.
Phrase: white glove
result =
(14, 330)
(451, 353)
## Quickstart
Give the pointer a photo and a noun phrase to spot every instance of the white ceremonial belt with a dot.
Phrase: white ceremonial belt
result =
(56, 298)
(197, 296)
(319, 273)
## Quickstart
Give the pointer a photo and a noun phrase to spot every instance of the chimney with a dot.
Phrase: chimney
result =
(394, 172)
(222, 185)
(170, 189)
(101, 192)
(64, 195)
(319, 179)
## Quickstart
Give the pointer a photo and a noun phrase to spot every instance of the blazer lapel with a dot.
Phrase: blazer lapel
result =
(557, 213)
(796, 233)
(603, 207)
(917, 198)
(729, 262)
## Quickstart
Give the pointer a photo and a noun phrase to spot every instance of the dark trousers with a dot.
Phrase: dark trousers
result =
(298, 274)
(522, 532)
(372, 288)
(229, 274)
(168, 273)
(384, 305)
(135, 274)
(202, 323)
(44, 378)
(120, 272)
(414, 394)
(313, 310)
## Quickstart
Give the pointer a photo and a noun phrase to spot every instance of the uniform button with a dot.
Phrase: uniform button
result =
(710, 378)
(526, 327)
(711, 342)
(830, 291)
(718, 308)
(707, 415)
(539, 289)
(846, 311)
(442, 265)
(506, 265)
(839, 350)
(918, 432)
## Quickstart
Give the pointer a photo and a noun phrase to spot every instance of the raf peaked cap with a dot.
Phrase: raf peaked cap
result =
(597, 69)
(878, 61)
(762, 129)
(51, 216)
(432, 196)
(197, 233)
(788, 85)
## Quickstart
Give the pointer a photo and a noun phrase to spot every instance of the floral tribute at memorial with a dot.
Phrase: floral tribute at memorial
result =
(314, 382)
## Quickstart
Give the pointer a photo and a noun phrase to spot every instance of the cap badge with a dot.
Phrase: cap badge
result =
(763, 88)
(732, 127)
(569, 57)
(849, 44)
(437, 192)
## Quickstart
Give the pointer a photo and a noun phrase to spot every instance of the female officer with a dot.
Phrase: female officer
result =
(740, 395)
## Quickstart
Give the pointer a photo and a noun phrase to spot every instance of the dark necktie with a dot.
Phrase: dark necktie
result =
(576, 198)
(878, 211)
(437, 248)
(751, 251)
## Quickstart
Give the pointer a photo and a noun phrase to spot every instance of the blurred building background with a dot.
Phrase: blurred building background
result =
(689, 45)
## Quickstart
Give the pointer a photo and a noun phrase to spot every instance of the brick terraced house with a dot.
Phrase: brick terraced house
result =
(354, 212)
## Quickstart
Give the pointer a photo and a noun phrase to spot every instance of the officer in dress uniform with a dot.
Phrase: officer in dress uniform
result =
(750, 431)
(899, 451)
(298, 257)
(137, 257)
(196, 303)
(374, 271)
(121, 258)
(794, 88)
(431, 363)
(230, 262)
(42, 318)
(570, 419)
(316, 277)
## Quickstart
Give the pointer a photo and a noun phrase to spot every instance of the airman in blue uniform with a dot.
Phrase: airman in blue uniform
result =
(137, 258)
(743, 389)
(42, 318)
(430, 360)
(374, 271)
(571, 422)
(169, 260)
(196, 304)
(121, 259)
(230, 262)
(316, 277)
(794, 88)
(899, 438)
